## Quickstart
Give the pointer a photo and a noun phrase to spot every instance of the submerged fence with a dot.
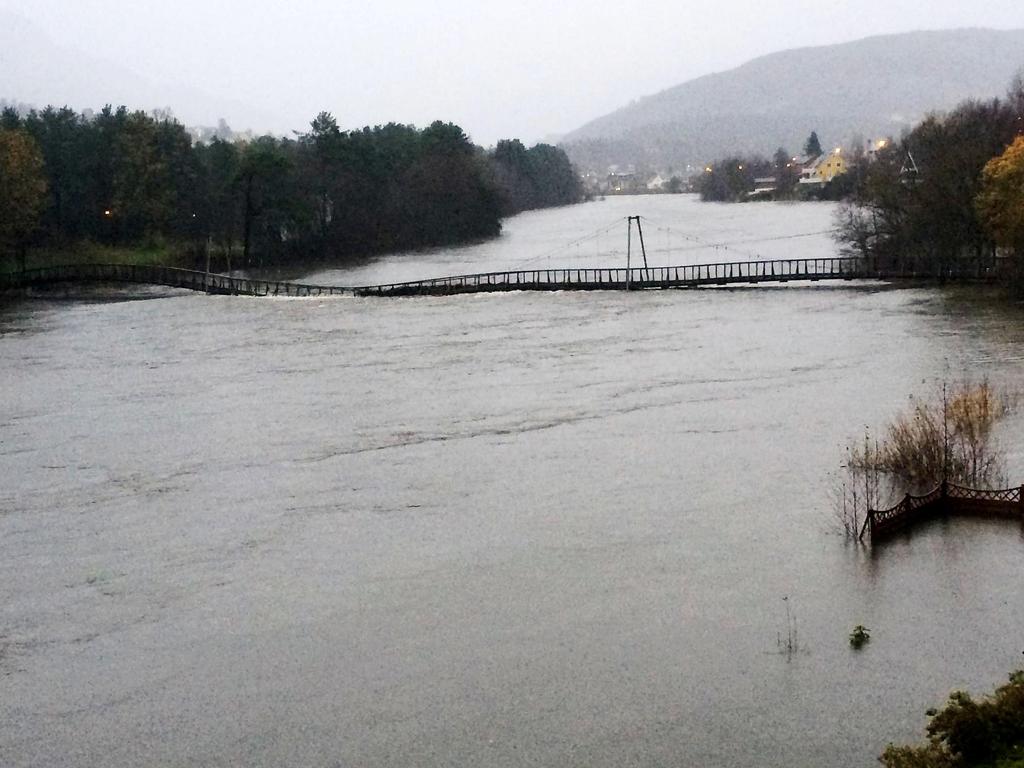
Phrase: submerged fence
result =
(947, 499)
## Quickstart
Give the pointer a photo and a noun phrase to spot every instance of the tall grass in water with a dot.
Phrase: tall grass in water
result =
(946, 438)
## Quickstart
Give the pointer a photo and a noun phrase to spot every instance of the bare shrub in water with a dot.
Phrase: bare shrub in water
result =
(949, 437)
(859, 486)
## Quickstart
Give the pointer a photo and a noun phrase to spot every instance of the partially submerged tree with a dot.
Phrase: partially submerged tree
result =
(945, 438)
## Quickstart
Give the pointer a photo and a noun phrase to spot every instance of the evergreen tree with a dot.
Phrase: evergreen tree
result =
(121, 177)
(812, 147)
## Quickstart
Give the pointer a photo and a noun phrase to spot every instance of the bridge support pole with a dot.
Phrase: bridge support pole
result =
(643, 248)
(629, 247)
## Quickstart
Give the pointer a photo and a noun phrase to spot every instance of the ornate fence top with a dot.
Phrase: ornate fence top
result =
(947, 498)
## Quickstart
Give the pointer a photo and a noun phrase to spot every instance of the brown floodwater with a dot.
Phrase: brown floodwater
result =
(495, 530)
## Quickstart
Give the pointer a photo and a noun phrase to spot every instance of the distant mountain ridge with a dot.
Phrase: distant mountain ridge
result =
(873, 87)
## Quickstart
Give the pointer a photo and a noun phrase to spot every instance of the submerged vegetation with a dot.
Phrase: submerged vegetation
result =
(789, 644)
(949, 439)
(945, 438)
(969, 733)
(127, 180)
(859, 636)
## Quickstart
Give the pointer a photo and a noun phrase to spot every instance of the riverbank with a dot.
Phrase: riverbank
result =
(184, 255)
(88, 252)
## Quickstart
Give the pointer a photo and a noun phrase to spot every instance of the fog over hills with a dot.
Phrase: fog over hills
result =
(873, 87)
(34, 70)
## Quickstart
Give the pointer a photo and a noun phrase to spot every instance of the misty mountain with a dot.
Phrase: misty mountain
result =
(36, 70)
(875, 87)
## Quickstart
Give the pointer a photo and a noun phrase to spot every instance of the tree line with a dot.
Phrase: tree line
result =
(948, 195)
(126, 178)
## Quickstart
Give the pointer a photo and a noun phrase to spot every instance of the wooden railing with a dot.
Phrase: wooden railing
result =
(947, 499)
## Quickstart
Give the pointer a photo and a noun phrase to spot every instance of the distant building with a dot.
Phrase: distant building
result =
(874, 147)
(800, 162)
(764, 186)
(809, 172)
(824, 168)
(657, 184)
(623, 183)
(832, 165)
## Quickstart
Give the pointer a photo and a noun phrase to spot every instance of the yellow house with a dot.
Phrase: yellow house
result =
(832, 165)
(824, 168)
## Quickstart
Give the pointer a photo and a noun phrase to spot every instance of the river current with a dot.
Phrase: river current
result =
(558, 529)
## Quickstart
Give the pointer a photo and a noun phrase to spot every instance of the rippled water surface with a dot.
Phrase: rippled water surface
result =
(494, 530)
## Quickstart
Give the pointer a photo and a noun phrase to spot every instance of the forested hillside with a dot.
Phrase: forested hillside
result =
(132, 179)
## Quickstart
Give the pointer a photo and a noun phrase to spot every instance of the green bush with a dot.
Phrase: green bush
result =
(988, 733)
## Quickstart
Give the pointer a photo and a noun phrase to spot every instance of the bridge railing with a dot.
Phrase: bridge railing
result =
(639, 277)
(583, 278)
(173, 277)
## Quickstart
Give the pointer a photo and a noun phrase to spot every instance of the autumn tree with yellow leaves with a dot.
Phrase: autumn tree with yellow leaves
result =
(1000, 205)
(1001, 200)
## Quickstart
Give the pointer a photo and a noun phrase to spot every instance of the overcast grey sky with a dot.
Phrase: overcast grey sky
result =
(526, 69)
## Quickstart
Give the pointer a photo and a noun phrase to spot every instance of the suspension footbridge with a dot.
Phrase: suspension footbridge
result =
(540, 277)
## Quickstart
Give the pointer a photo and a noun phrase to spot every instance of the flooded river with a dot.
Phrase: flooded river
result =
(492, 530)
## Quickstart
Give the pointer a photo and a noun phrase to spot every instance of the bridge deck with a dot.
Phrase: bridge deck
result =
(636, 278)
(579, 279)
(171, 277)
